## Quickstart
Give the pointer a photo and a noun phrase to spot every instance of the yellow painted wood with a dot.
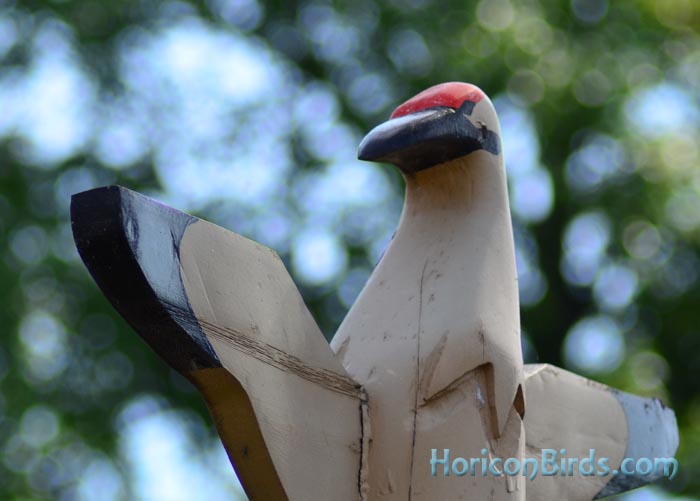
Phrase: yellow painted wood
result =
(237, 426)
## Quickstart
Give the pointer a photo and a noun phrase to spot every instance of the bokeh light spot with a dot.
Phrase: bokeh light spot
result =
(594, 345)
(592, 88)
(641, 240)
(649, 370)
(44, 341)
(29, 244)
(495, 15)
(39, 426)
(597, 161)
(318, 257)
(532, 195)
(615, 287)
(586, 239)
(589, 11)
(659, 110)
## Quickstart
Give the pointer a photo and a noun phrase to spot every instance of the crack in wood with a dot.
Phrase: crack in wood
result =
(275, 357)
(363, 473)
(417, 381)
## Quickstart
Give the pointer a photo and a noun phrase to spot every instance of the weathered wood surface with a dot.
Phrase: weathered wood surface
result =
(427, 358)
(567, 411)
(223, 311)
(434, 337)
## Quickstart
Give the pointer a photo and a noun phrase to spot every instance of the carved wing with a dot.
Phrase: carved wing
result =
(567, 411)
(224, 312)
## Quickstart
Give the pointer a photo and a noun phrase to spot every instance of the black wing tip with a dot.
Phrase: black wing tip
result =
(117, 232)
(101, 196)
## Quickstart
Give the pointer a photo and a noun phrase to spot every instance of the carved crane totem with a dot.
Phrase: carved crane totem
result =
(427, 364)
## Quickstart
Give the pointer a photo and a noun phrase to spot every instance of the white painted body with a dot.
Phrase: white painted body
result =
(439, 307)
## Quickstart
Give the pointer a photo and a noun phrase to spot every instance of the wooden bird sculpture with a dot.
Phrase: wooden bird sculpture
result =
(427, 362)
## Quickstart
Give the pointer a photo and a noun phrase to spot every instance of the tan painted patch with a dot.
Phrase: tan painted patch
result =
(566, 411)
(238, 428)
(301, 401)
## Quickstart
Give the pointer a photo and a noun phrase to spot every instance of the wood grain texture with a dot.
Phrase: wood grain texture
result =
(236, 424)
(224, 312)
(434, 336)
(428, 358)
(567, 411)
(308, 408)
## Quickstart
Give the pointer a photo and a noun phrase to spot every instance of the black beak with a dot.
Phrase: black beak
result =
(426, 138)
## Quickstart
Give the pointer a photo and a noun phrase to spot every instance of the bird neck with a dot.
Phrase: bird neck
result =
(458, 194)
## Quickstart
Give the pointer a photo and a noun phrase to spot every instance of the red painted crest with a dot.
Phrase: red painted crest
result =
(450, 94)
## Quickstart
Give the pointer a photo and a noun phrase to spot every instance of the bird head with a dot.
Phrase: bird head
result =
(444, 122)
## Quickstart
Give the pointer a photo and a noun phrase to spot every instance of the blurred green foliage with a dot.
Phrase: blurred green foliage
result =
(608, 91)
